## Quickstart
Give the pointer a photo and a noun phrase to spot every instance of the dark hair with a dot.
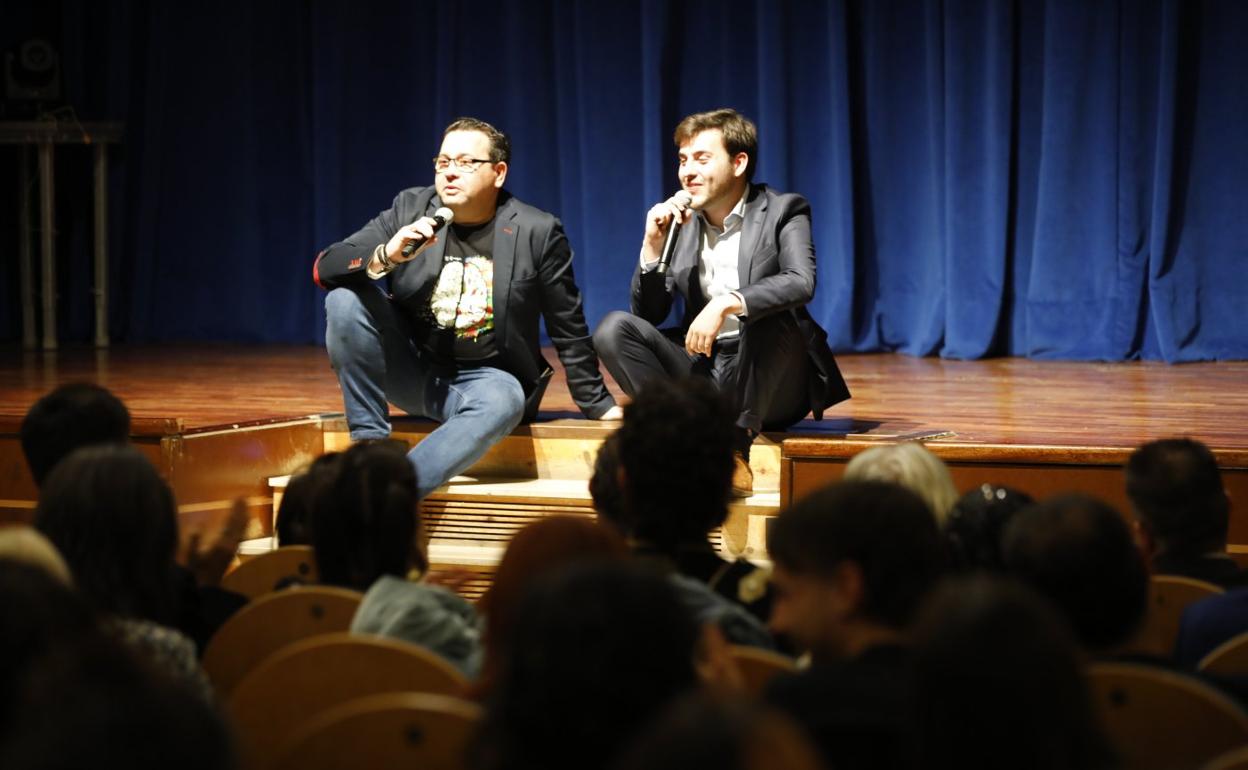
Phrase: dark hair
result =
(700, 732)
(740, 133)
(537, 549)
(998, 675)
(886, 529)
(500, 145)
(1079, 552)
(38, 614)
(70, 417)
(114, 520)
(1176, 489)
(976, 522)
(365, 521)
(294, 515)
(596, 650)
(604, 485)
(676, 447)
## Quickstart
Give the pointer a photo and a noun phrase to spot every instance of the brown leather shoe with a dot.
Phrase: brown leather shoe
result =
(742, 476)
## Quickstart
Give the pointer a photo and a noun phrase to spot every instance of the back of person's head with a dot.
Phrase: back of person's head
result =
(113, 519)
(294, 514)
(536, 550)
(604, 485)
(911, 465)
(1079, 552)
(38, 613)
(365, 520)
(999, 683)
(675, 448)
(596, 650)
(704, 733)
(1176, 490)
(976, 524)
(27, 545)
(70, 417)
(883, 528)
(94, 704)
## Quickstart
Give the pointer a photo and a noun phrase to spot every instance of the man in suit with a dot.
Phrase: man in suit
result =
(456, 337)
(745, 268)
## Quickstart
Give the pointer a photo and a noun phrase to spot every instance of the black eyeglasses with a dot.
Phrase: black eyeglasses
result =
(463, 164)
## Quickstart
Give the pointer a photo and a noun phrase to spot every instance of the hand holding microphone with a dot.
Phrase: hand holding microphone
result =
(416, 237)
(663, 223)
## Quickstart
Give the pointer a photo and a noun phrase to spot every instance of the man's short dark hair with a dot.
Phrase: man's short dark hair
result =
(887, 530)
(70, 417)
(676, 450)
(1176, 489)
(500, 145)
(740, 134)
(1079, 552)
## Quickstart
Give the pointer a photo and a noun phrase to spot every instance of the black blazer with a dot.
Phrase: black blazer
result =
(532, 278)
(776, 270)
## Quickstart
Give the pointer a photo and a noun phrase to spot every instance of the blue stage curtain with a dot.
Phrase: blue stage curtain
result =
(1059, 179)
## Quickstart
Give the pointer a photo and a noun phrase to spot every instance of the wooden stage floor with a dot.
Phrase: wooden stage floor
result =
(998, 402)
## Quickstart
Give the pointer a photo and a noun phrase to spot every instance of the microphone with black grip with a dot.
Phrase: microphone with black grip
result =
(673, 230)
(441, 218)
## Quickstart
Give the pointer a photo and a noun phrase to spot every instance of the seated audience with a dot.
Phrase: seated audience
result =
(1079, 553)
(596, 650)
(852, 563)
(975, 525)
(999, 683)
(674, 478)
(1182, 511)
(911, 465)
(81, 414)
(540, 547)
(365, 530)
(701, 733)
(1207, 624)
(113, 519)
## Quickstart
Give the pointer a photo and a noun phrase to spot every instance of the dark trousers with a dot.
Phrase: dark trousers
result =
(766, 372)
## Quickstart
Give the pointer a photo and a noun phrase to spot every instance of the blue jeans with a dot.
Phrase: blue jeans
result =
(370, 346)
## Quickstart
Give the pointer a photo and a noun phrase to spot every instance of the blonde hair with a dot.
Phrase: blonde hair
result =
(912, 466)
(24, 544)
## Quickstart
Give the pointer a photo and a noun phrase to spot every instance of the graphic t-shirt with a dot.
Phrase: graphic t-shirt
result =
(460, 316)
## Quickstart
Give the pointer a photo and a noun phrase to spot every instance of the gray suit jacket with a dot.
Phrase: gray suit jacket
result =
(532, 279)
(776, 269)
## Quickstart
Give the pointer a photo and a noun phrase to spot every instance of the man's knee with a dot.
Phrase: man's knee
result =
(614, 327)
(344, 305)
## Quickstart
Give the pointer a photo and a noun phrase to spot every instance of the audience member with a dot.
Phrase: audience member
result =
(71, 416)
(293, 524)
(80, 415)
(1182, 511)
(541, 547)
(852, 563)
(595, 651)
(675, 473)
(999, 683)
(912, 466)
(975, 525)
(113, 519)
(365, 529)
(701, 733)
(1079, 553)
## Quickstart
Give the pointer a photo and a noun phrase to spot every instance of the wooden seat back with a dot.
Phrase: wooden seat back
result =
(312, 675)
(758, 667)
(271, 622)
(268, 572)
(1227, 659)
(1168, 596)
(1160, 720)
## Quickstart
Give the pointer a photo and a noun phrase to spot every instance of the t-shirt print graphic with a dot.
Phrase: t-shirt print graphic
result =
(463, 299)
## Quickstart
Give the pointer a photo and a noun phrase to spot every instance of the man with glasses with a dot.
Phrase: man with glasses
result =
(456, 337)
(745, 267)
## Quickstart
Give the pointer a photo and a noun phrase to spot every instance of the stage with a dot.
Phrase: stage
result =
(221, 420)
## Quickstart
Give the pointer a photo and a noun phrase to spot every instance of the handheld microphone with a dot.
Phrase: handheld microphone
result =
(441, 218)
(673, 230)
